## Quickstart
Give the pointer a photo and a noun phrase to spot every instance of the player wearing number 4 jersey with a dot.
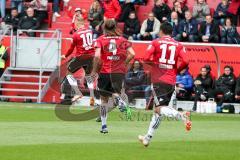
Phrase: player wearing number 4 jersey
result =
(163, 55)
(112, 55)
(83, 42)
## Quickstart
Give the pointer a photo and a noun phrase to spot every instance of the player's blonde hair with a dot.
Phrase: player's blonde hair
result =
(79, 21)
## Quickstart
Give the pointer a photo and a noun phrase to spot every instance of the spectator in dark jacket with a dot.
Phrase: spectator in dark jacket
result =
(203, 85)
(221, 12)
(161, 10)
(225, 85)
(95, 17)
(174, 21)
(29, 22)
(229, 33)
(184, 84)
(131, 27)
(136, 80)
(180, 8)
(188, 29)
(12, 20)
(127, 7)
(209, 30)
(237, 89)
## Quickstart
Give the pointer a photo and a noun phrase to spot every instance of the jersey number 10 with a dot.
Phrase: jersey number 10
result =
(87, 40)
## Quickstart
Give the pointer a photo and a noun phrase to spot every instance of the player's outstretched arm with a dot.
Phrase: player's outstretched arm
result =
(70, 50)
(130, 55)
(96, 61)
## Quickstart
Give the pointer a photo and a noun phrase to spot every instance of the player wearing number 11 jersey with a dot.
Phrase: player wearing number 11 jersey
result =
(163, 54)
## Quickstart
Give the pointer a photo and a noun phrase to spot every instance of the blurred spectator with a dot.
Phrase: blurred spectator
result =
(11, 21)
(221, 12)
(78, 13)
(150, 28)
(136, 80)
(56, 8)
(95, 17)
(29, 22)
(209, 30)
(225, 85)
(188, 29)
(138, 2)
(237, 90)
(2, 7)
(203, 85)
(180, 8)
(174, 22)
(234, 11)
(131, 27)
(17, 4)
(229, 33)
(127, 7)
(3, 57)
(40, 8)
(184, 84)
(200, 10)
(161, 10)
(112, 9)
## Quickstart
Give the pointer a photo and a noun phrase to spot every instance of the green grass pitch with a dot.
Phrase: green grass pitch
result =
(33, 132)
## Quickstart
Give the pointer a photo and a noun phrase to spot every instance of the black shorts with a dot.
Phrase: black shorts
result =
(109, 83)
(163, 92)
(83, 61)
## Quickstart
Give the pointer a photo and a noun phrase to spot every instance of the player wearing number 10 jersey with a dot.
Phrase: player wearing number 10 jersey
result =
(82, 58)
(112, 55)
(163, 55)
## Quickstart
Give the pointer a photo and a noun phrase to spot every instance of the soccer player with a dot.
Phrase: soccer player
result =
(112, 55)
(83, 41)
(163, 54)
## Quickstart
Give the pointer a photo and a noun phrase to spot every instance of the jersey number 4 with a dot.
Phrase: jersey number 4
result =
(113, 46)
(87, 40)
(164, 49)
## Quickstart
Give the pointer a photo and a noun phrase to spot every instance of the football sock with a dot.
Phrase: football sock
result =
(90, 85)
(73, 82)
(103, 114)
(121, 104)
(154, 124)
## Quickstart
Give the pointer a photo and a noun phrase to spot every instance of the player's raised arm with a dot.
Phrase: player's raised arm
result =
(70, 50)
(96, 61)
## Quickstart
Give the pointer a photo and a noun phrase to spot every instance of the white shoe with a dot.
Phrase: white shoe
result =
(145, 141)
(57, 14)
